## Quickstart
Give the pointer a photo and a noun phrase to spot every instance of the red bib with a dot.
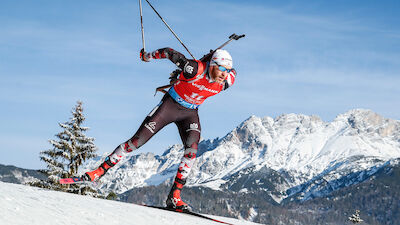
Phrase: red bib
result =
(195, 90)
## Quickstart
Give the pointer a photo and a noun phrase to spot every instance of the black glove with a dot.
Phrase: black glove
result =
(144, 56)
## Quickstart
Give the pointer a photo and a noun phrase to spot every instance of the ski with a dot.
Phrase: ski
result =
(72, 180)
(188, 212)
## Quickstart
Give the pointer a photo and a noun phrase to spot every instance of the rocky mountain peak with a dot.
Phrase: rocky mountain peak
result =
(367, 121)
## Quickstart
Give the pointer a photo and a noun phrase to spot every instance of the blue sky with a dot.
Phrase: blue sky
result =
(311, 57)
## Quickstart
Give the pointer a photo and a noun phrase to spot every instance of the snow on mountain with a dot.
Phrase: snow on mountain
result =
(29, 205)
(303, 154)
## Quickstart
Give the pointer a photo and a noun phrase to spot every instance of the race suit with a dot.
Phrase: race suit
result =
(180, 106)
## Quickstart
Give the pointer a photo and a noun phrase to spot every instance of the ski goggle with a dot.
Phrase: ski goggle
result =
(223, 69)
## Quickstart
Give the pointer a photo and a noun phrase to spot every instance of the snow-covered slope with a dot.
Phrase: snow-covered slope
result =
(299, 153)
(28, 205)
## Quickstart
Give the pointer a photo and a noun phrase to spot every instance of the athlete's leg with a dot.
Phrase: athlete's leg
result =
(154, 122)
(189, 130)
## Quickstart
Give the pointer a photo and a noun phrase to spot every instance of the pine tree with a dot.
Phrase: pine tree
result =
(71, 148)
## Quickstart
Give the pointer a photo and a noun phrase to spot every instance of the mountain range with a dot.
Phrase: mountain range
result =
(289, 158)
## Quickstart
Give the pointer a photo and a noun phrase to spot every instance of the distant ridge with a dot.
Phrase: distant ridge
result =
(13, 174)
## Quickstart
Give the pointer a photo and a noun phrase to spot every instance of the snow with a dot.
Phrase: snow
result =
(29, 205)
(252, 214)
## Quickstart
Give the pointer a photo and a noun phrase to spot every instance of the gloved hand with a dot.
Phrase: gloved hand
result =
(144, 56)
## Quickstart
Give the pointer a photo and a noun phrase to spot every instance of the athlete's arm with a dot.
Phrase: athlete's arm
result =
(188, 66)
(230, 79)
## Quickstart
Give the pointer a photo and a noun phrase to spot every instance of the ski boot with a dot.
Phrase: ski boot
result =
(174, 200)
(99, 172)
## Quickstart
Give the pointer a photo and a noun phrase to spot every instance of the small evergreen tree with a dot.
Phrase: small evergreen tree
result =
(112, 196)
(71, 148)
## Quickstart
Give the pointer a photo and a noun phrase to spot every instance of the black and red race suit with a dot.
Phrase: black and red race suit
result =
(179, 106)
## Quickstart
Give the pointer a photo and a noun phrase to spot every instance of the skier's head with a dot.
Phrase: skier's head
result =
(220, 65)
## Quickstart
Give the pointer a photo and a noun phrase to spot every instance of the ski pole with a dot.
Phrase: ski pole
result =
(141, 23)
(170, 29)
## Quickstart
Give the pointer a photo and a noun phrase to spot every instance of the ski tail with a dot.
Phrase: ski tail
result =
(206, 217)
(188, 212)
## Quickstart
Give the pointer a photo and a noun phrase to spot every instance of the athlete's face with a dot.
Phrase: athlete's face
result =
(218, 75)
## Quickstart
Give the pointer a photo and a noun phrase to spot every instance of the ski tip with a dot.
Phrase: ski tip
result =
(70, 180)
(66, 181)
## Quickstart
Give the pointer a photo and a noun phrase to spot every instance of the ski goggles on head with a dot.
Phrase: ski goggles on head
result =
(222, 68)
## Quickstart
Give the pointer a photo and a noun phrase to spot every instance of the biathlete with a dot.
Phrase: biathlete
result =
(197, 81)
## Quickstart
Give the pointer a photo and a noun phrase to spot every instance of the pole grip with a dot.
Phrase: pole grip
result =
(232, 37)
(236, 37)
